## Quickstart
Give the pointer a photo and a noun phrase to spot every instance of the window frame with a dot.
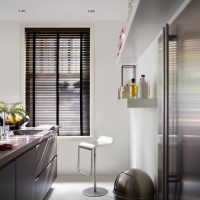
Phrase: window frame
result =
(23, 65)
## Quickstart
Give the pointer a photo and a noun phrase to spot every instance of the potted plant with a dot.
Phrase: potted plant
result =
(13, 115)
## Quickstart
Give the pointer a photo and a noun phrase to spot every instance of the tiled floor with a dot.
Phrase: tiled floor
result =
(71, 187)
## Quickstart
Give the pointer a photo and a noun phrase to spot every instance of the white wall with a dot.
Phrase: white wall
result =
(9, 62)
(110, 114)
(143, 121)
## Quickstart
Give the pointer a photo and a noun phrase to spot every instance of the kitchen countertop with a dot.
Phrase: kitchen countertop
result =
(21, 143)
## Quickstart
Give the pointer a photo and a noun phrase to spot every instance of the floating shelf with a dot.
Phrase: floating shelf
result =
(144, 25)
(127, 30)
(141, 103)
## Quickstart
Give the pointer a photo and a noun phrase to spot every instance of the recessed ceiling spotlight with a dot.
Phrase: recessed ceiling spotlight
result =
(21, 10)
(91, 11)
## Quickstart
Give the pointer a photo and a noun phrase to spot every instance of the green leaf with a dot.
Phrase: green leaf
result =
(3, 107)
(17, 103)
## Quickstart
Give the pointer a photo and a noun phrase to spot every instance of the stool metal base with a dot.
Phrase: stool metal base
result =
(98, 193)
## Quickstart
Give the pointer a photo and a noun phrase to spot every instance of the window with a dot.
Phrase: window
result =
(58, 78)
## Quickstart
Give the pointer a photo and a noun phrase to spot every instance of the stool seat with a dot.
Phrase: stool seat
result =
(91, 146)
(87, 145)
(101, 141)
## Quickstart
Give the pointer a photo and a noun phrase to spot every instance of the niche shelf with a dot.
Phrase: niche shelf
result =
(142, 103)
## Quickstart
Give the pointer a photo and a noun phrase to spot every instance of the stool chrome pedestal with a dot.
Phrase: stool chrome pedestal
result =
(101, 141)
(92, 192)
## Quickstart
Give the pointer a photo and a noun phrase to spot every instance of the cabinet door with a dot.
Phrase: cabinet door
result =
(46, 179)
(7, 182)
(45, 152)
(25, 176)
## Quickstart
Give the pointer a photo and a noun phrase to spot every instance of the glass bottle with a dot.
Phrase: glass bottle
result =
(134, 89)
(143, 87)
(121, 92)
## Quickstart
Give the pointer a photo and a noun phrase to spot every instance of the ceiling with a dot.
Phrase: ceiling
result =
(62, 10)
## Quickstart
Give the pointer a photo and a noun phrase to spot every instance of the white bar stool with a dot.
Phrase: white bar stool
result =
(91, 146)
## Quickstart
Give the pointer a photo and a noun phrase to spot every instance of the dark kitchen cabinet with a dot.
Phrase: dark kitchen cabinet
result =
(46, 179)
(25, 176)
(45, 152)
(7, 182)
(30, 174)
(46, 166)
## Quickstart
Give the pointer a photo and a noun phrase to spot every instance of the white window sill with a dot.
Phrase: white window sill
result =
(75, 138)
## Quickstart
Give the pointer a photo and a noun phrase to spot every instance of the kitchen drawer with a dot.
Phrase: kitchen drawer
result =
(45, 152)
(45, 180)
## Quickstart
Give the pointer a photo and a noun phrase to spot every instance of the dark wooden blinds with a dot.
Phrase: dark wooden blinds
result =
(58, 78)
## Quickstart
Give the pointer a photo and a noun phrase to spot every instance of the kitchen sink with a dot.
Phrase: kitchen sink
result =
(26, 132)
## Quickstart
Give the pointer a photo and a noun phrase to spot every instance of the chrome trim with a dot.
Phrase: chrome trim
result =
(91, 164)
(166, 111)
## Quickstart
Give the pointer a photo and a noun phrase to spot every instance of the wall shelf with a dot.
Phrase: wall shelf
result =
(127, 30)
(144, 24)
(141, 103)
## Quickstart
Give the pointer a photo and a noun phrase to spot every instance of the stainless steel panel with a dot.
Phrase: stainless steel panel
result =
(166, 112)
(189, 112)
(174, 166)
(169, 148)
(184, 109)
(187, 29)
(160, 104)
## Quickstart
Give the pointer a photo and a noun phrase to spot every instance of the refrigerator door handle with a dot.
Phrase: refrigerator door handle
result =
(166, 113)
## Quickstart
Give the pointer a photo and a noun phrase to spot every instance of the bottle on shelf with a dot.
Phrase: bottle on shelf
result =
(124, 92)
(143, 88)
(121, 92)
(127, 90)
(134, 89)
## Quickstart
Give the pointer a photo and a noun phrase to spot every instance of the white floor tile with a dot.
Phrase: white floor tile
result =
(71, 187)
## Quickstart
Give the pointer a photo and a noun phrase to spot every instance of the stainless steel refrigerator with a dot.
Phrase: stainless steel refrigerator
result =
(179, 107)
